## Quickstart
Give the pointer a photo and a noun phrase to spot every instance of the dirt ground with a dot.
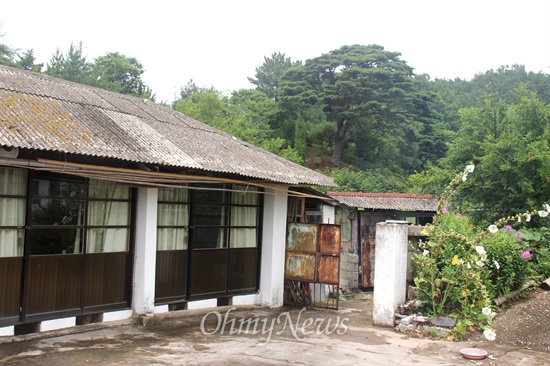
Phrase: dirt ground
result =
(523, 322)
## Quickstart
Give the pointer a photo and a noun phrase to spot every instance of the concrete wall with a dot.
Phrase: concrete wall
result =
(390, 276)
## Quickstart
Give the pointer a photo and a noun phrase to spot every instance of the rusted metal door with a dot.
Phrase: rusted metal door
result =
(312, 265)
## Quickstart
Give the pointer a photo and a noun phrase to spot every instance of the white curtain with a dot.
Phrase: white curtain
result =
(244, 216)
(107, 214)
(175, 214)
(12, 211)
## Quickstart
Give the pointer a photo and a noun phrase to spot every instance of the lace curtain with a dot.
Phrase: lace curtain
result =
(172, 219)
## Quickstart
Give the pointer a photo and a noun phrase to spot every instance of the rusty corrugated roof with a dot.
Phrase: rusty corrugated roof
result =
(44, 113)
(386, 201)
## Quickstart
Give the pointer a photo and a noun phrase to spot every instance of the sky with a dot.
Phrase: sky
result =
(219, 43)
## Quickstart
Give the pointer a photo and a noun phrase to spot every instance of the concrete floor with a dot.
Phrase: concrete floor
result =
(220, 336)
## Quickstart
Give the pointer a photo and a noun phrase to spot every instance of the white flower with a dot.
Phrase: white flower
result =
(461, 261)
(543, 213)
(528, 218)
(547, 207)
(425, 252)
(480, 250)
(497, 265)
(486, 311)
(464, 177)
(468, 266)
(519, 218)
(489, 334)
(470, 168)
(479, 263)
(493, 229)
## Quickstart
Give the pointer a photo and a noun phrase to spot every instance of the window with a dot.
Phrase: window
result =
(13, 198)
(108, 217)
(172, 219)
(63, 208)
(225, 216)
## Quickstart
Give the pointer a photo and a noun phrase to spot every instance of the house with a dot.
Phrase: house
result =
(360, 212)
(113, 206)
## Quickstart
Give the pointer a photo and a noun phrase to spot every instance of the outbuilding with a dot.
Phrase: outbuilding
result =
(113, 206)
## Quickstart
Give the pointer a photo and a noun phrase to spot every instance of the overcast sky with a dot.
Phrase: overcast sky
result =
(219, 43)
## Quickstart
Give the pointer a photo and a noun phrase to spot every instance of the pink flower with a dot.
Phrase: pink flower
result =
(458, 215)
(509, 228)
(518, 235)
(526, 255)
(445, 210)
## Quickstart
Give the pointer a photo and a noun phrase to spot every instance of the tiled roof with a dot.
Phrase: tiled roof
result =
(387, 201)
(44, 113)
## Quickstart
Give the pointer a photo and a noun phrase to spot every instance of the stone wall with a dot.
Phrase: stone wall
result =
(349, 270)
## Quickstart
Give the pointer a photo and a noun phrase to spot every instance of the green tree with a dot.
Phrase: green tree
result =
(73, 66)
(269, 74)
(354, 85)
(27, 61)
(121, 74)
(509, 144)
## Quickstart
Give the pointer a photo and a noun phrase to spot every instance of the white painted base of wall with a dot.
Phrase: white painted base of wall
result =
(246, 300)
(117, 315)
(202, 304)
(54, 324)
(7, 331)
(161, 309)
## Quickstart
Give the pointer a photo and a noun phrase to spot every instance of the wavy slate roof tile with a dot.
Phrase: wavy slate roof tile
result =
(44, 113)
(386, 201)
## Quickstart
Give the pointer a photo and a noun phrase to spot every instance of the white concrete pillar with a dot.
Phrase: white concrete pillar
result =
(390, 271)
(145, 251)
(273, 248)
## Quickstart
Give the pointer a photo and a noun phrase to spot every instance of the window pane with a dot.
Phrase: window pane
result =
(44, 184)
(108, 213)
(243, 238)
(173, 195)
(211, 215)
(211, 196)
(11, 242)
(55, 241)
(244, 216)
(173, 214)
(13, 181)
(172, 239)
(57, 212)
(107, 190)
(247, 196)
(12, 211)
(204, 238)
(105, 240)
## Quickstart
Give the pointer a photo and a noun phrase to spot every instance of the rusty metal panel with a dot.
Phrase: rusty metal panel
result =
(300, 266)
(302, 238)
(329, 239)
(328, 269)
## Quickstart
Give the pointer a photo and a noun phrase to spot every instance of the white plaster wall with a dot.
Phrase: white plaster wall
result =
(57, 324)
(273, 248)
(245, 299)
(117, 315)
(7, 331)
(329, 214)
(145, 252)
(202, 304)
(390, 273)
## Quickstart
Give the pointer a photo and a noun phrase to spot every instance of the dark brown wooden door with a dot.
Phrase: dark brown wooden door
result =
(171, 276)
(10, 289)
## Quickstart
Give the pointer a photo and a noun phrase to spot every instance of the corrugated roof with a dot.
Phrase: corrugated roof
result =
(386, 201)
(45, 113)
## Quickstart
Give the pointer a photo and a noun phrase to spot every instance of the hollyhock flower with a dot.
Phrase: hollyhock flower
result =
(470, 168)
(508, 228)
(518, 235)
(547, 207)
(425, 252)
(464, 177)
(519, 218)
(489, 334)
(528, 218)
(445, 210)
(543, 213)
(526, 255)
(493, 229)
(497, 265)
(458, 215)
